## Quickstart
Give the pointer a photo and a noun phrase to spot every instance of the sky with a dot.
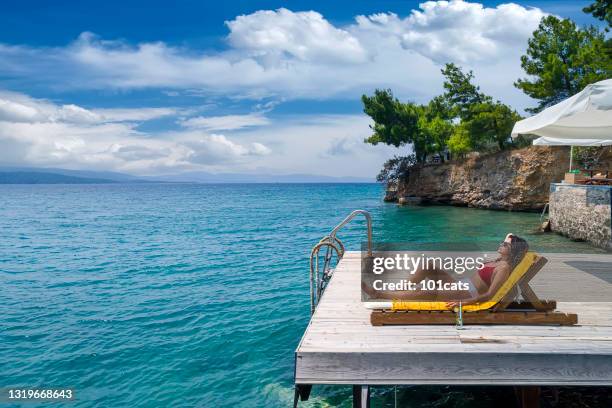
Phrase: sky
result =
(260, 87)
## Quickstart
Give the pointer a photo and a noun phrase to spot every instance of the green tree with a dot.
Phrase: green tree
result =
(460, 93)
(435, 133)
(398, 124)
(460, 141)
(601, 10)
(491, 123)
(486, 122)
(432, 128)
(561, 60)
(395, 123)
(440, 106)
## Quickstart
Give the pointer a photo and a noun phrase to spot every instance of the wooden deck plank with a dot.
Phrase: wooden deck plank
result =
(340, 346)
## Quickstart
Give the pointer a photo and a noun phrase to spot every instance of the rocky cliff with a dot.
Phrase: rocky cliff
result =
(509, 180)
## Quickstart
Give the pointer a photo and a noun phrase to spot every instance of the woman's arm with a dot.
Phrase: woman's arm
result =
(500, 276)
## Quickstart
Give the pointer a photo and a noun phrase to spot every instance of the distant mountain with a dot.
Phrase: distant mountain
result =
(89, 174)
(33, 175)
(204, 177)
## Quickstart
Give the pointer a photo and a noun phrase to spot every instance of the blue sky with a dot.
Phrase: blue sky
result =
(149, 87)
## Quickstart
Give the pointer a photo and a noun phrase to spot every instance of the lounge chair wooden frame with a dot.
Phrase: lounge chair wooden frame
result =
(532, 311)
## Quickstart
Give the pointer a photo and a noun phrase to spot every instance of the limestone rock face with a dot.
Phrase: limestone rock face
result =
(508, 180)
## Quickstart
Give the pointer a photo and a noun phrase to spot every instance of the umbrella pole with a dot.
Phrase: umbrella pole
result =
(571, 157)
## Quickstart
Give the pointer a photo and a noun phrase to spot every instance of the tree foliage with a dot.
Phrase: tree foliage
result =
(460, 141)
(396, 168)
(485, 121)
(460, 120)
(601, 10)
(395, 123)
(588, 157)
(491, 123)
(436, 132)
(561, 60)
(461, 94)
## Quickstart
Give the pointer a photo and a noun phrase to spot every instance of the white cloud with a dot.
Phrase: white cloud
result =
(341, 147)
(260, 149)
(74, 114)
(18, 112)
(16, 107)
(459, 31)
(226, 122)
(306, 143)
(306, 36)
(217, 149)
(134, 114)
(328, 145)
(289, 55)
(37, 132)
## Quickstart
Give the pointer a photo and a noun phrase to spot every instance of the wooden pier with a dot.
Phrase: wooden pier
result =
(340, 346)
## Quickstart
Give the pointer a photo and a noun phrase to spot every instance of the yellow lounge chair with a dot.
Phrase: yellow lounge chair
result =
(499, 309)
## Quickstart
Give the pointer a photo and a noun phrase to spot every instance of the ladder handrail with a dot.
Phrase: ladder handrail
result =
(348, 219)
(332, 244)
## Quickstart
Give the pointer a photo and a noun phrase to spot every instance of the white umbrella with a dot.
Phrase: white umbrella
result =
(584, 119)
(555, 141)
(586, 115)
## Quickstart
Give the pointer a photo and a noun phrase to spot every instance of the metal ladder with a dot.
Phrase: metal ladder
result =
(319, 277)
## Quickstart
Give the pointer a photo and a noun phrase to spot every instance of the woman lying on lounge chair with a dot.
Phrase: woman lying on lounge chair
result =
(482, 285)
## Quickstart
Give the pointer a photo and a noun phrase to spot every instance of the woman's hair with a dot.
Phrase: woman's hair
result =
(518, 249)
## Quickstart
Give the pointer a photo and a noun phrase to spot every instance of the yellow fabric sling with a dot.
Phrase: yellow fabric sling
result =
(519, 271)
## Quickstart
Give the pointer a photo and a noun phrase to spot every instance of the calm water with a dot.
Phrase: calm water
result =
(186, 295)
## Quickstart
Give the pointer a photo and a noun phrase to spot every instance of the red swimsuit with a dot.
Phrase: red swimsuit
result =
(486, 272)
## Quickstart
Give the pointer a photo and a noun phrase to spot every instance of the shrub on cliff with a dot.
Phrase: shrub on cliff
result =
(590, 157)
(395, 169)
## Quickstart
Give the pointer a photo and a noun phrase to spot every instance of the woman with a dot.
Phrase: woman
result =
(482, 285)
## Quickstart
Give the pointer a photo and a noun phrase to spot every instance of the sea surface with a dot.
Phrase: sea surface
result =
(187, 295)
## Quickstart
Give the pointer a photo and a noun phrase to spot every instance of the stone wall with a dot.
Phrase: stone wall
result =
(582, 213)
(508, 180)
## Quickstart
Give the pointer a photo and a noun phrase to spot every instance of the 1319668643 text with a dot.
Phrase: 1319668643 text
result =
(15, 394)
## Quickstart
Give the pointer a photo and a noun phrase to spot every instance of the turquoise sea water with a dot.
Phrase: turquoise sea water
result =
(187, 295)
